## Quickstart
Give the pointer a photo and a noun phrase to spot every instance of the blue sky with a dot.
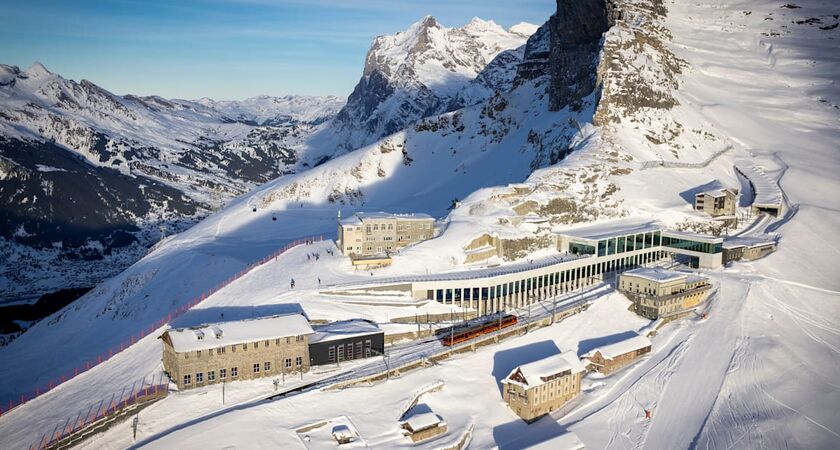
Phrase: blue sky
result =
(224, 49)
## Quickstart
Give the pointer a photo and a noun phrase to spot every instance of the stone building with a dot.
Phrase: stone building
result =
(717, 202)
(748, 248)
(659, 293)
(382, 233)
(240, 350)
(537, 388)
(607, 359)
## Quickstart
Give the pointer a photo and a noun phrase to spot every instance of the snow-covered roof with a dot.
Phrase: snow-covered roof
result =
(749, 241)
(767, 191)
(616, 349)
(656, 274)
(719, 192)
(614, 228)
(343, 329)
(359, 218)
(488, 272)
(565, 441)
(535, 372)
(238, 332)
(342, 432)
(422, 421)
(697, 237)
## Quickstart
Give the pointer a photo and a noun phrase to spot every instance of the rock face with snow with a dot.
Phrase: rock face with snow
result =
(420, 72)
(576, 30)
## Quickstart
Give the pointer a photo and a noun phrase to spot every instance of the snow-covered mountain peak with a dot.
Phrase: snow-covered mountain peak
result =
(418, 72)
(37, 70)
(524, 28)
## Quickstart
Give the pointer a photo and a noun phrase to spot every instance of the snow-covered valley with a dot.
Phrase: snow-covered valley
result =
(684, 91)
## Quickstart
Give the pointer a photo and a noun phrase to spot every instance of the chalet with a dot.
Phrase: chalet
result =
(537, 388)
(421, 426)
(609, 358)
(238, 350)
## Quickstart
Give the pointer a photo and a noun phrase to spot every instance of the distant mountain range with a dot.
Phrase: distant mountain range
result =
(89, 179)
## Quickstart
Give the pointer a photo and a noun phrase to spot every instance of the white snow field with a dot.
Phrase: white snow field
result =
(760, 372)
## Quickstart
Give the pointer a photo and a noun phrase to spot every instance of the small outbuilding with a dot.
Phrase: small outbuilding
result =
(748, 248)
(345, 340)
(611, 357)
(422, 426)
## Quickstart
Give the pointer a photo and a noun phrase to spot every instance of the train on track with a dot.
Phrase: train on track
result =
(449, 337)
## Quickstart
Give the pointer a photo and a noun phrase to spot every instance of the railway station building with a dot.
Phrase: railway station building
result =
(237, 350)
(586, 255)
(658, 293)
(345, 340)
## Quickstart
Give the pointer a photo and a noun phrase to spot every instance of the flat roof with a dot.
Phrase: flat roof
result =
(719, 192)
(343, 329)
(606, 230)
(707, 238)
(488, 272)
(219, 334)
(749, 241)
(535, 371)
(360, 217)
(656, 274)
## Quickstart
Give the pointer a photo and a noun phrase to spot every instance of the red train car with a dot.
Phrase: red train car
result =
(465, 334)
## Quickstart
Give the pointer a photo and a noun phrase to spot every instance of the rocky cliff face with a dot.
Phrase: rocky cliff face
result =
(426, 70)
(576, 33)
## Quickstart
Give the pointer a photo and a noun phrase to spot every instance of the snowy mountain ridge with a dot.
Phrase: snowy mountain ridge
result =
(419, 72)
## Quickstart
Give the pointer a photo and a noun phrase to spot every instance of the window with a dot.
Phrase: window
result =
(350, 351)
(277, 341)
(198, 353)
(267, 366)
(288, 340)
(331, 354)
(222, 374)
(288, 363)
(234, 372)
(299, 362)
(359, 349)
(257, 344)
(245, 347)
(199, 377)
(341, 352)
(299, 338)
(256, 367)
(221, 350)
(233, 348)
(367, 348)
(266, 342)
(187, 379)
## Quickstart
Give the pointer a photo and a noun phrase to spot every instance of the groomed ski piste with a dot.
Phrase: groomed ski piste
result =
(759, 372)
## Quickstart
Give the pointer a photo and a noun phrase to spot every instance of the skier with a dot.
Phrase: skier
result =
(319, 281)
(293, 283)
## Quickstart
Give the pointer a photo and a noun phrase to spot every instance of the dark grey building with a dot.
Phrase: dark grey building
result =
(345, 340)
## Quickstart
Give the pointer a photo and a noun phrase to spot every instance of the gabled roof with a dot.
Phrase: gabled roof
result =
(616, 349)
(422, 421)
(536, 373)
(238, 332)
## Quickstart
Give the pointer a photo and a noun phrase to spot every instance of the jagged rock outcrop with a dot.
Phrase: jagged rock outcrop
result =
(576, 32)
(426, 70)
(535, 60)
